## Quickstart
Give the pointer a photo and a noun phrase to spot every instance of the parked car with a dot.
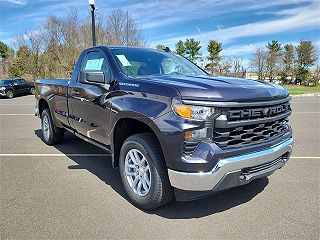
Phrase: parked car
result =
(172, 129)
(12, 87)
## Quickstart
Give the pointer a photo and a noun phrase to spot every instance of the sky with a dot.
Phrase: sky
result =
(240, 25)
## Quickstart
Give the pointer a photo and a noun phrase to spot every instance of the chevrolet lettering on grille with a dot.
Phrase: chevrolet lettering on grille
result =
(258, 112)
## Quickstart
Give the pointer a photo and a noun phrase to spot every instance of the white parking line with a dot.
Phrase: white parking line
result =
(54, 155)
(86, 155)
(305, 112)
(16, 114)
(17, 104)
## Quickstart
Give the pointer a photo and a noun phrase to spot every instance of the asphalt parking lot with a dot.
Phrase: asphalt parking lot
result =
(70, 191)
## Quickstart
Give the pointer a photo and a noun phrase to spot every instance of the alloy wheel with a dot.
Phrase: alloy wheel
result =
(45, 128)
(137, 172)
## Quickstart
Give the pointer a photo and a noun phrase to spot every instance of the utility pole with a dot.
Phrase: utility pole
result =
(91, 3)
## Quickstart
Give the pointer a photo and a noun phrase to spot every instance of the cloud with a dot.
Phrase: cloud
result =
(17, 2)
(302, 18)
(247, 49)
(155, 14)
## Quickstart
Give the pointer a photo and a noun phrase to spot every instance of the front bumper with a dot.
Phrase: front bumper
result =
(234, 171)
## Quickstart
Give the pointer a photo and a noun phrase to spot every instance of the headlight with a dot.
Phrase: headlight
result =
(191, 111)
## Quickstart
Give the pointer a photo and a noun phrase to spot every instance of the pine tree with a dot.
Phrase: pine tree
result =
(214, 48)
(192, 49)
(180, 48)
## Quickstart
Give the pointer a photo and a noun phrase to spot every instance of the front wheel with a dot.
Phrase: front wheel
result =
(32, 91)
(143, 172)
(51, 134)
(10, 94)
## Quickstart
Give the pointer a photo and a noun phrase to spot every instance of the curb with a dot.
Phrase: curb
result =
(306, 95)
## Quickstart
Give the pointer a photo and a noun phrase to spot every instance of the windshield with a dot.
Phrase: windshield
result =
(5, 82)
(139, 62)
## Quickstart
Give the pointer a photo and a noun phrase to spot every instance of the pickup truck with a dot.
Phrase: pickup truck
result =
(172, 130)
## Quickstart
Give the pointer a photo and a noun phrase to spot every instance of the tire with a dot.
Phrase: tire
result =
(155, 189)
(10, 94)
(51, 134)
(32, 91)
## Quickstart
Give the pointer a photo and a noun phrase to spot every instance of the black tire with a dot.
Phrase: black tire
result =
(32, 91)
(51, 134)
(160, 191)
(10, 94)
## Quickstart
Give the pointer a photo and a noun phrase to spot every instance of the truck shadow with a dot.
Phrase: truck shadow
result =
(102, 168)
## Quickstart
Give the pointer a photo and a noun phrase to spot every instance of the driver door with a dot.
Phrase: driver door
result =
(89, 109)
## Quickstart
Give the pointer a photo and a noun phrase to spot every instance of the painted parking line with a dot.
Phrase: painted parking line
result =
(87, 155)
(54, 155)
(305, 112)
(16, 114)
(17, 104)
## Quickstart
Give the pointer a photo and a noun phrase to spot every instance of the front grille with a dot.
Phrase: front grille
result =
(249, 134)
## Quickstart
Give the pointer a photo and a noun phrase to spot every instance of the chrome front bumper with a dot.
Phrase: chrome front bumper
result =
(222, 176)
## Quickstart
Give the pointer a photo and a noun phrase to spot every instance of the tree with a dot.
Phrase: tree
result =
(160, 47)
(316, 75)
(239, 70)
(306, 57)
(122, 30)
(259, 62)
(214, 48)
(22, 63)
(273, 56)
(288, 63)
(33, 40)
(192, 49)
(4, 54)
(180, 48)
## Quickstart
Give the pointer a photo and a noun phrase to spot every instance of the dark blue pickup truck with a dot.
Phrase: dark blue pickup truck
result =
(172, 129)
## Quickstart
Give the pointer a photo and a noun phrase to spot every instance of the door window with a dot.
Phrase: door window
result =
(96, 62)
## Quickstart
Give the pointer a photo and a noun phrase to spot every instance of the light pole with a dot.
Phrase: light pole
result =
(91, 3)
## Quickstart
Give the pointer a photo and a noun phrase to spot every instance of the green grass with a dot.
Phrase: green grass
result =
(295, 89)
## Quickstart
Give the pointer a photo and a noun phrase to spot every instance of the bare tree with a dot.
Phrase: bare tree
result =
(273, 58)
(224, 67)
(259, 62)
(122, 30)
(239, 70)
(33, 40)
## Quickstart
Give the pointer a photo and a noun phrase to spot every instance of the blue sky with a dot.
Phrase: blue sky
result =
(241, 25)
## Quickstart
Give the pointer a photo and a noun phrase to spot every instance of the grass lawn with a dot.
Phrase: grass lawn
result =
(295, 89)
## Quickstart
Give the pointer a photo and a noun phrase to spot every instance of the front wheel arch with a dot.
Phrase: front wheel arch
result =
(123, 129)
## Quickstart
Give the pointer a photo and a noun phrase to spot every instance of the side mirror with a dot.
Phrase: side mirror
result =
(94, 77)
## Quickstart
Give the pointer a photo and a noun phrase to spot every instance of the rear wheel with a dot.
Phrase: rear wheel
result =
(10, 94)
(51, 134)
(143, 172)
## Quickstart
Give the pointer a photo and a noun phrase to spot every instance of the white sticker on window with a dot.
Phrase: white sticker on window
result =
(94, 64)
(124, 61)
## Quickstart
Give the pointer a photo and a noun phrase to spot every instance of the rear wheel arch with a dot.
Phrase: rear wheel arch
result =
(43, 104)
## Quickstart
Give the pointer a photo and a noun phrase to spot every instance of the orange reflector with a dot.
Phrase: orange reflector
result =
(187, 135)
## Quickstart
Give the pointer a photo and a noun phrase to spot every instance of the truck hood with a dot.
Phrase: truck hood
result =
(220, 88)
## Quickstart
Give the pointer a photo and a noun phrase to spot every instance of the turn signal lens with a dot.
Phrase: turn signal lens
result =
(191, 111)
(183, 110)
